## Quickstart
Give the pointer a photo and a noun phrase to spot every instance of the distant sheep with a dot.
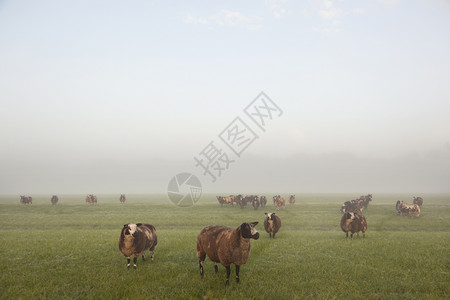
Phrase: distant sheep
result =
(353, 222)
(136, 239)
(279, 201)
(292, 199)
(355, 206)
(26, 200)
(418, 201)
(272, 224)
(122, 198)
(263, 201)
(54, 199)
(91, 199)
(255, 203)
(226, 245)
(404, 208)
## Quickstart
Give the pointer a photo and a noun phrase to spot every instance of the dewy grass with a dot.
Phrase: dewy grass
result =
(70, 251)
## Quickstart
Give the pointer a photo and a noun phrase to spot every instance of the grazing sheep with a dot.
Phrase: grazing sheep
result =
(272, 224)
(353, 222)
(226, 245)
(404, 208)
(136, 239)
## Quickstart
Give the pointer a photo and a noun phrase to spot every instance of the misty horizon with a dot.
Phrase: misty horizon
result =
(120, 99)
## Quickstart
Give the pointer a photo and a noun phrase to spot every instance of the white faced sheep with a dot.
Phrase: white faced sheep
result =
(226, 245)
(272, 224)
(136, 239)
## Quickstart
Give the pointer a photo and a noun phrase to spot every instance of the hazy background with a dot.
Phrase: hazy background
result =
(119, 96)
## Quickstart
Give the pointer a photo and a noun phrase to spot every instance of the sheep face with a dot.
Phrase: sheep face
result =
(130, 229)
(249, 231)
(349, 216)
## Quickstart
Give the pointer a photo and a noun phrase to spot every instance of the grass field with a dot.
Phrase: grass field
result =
(70, 251)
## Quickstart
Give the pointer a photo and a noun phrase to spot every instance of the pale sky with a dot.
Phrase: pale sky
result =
(119, 96)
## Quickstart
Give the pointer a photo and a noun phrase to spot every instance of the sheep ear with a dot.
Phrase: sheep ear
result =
(125, 225)
(254, 223)
(265, 214)
(138, 224)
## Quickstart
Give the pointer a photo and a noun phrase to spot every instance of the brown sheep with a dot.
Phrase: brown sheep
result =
(54, 199)
(404, 208)
(418, 201)
(353, 222)
(292, 199)
(272, 224)
(263, 201)
(226, 245)
(136, 239)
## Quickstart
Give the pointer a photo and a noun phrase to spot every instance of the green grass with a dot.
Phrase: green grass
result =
(69, 251)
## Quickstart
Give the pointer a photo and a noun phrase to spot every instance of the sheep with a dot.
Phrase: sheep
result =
(263, 201)
(136, 239)
(418, 201)
(353, 222)
(404, 208)
(54, 199)
(292, 199)
(255, 202)
(272, 224)
(226, 245)
(279, 201)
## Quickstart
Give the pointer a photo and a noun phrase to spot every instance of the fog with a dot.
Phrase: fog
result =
(119, 99)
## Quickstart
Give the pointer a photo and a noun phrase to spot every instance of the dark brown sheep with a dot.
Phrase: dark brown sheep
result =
(54, 199)
(353, 222)
(272, 224)
(418, 201)
(226, 245)
(263, 201)
(136, 239)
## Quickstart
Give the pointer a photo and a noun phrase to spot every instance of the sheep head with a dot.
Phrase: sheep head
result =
(249, 231)
(130, 229)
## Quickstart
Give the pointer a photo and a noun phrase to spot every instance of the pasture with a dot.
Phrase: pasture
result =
(70, 251)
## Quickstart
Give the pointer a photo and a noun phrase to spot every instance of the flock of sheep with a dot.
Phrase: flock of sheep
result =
(254, 200)
(232, 245)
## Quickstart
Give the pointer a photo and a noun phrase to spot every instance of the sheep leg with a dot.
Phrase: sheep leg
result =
(216, 268)
(237, 274)
(270, 235)
(152, 254)
(274, 235)
(200, 263)
(128, 262)
(135, 261)
(228, 276)
(143, 257)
